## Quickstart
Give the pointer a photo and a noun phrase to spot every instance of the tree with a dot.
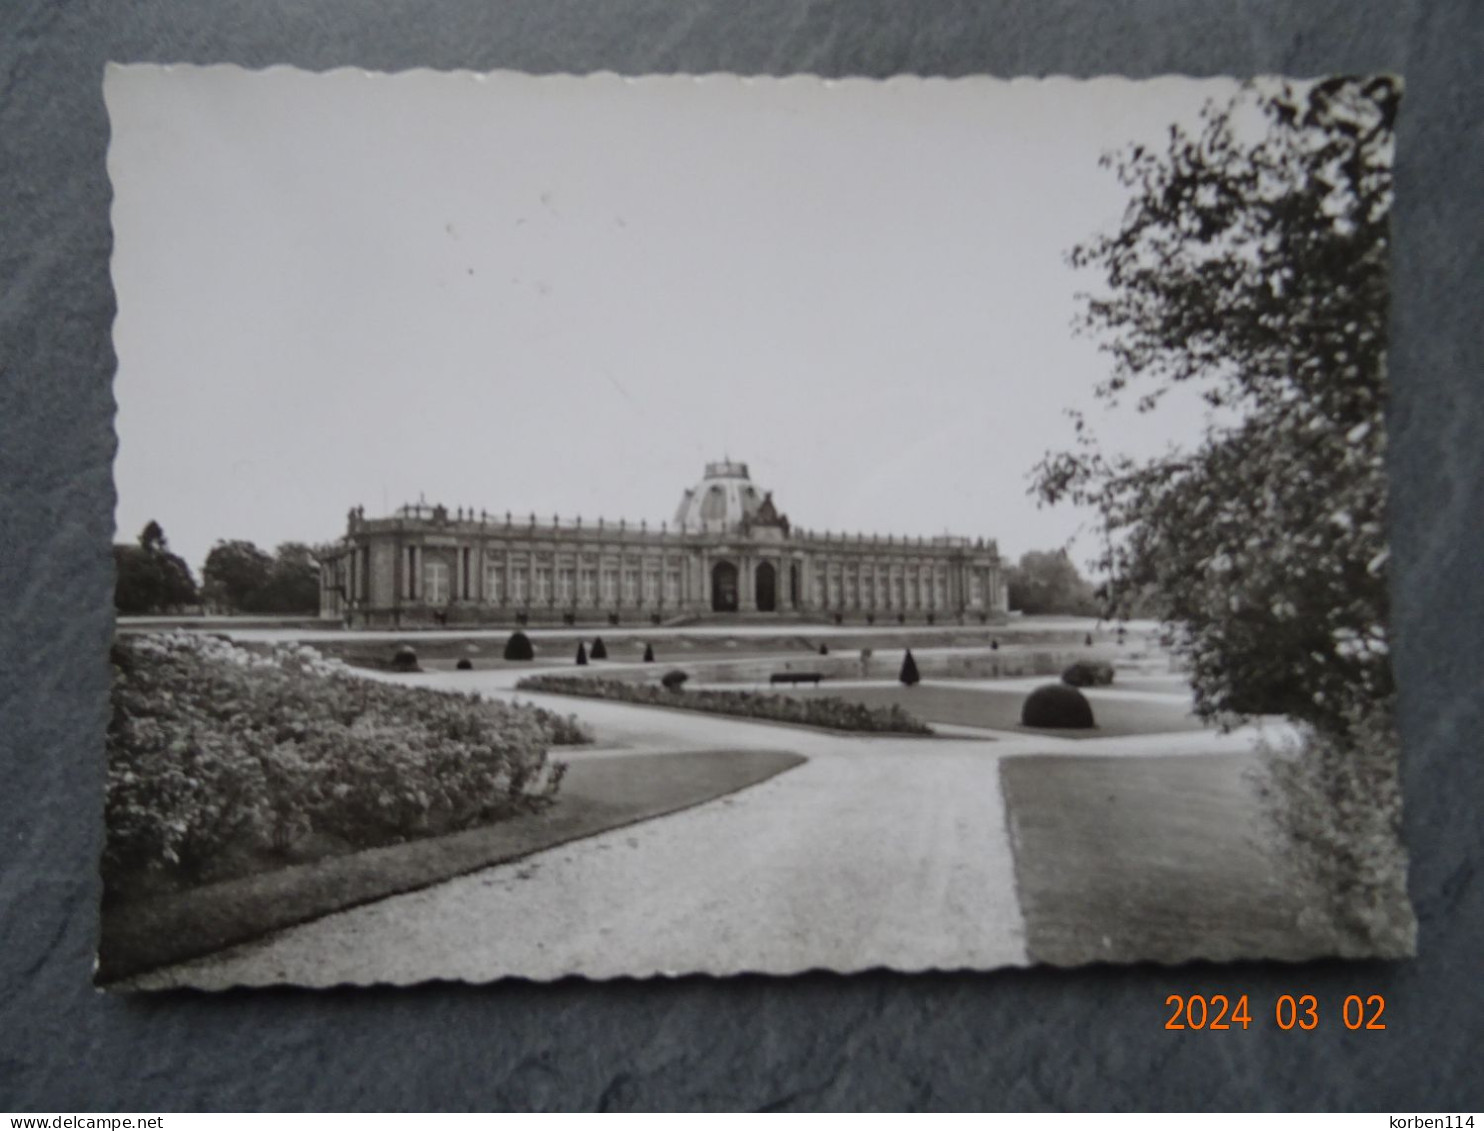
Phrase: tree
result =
(1251, 264)
(235, 576)
(1046, 581)
(292, 585)
(150, 579)
(581, 654)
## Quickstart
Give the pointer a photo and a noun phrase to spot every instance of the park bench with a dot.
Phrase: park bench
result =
(795, 677)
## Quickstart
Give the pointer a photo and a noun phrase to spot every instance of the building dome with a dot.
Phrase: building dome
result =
(725, 500)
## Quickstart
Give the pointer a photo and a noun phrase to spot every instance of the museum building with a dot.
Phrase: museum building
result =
(729, 553)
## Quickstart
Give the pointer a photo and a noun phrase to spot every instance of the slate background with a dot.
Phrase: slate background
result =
(1043, 1038)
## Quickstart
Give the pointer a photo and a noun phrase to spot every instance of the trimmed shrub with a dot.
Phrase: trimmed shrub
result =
(674, 679)
(994, 645)
(1088, 673)
(405, 659)
(581, 655)
(1057, 706)
(569, 618)
(901, 618)
(612, 618)
(518, 647)
(908, 675)
(600, 650)
(654, 618)
(522, 618)
(839, 618)
(465, 664)
(824, 649)
(1088, 641)
(649, 653)
(870, 618)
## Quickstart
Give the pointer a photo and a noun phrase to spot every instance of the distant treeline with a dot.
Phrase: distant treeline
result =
(237, 577)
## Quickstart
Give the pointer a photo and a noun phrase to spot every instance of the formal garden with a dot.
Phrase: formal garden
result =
(225, 761)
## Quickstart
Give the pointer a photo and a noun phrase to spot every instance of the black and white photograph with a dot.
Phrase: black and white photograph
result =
(596, 526)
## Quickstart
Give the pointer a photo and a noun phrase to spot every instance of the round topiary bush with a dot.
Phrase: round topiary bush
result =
(1057, 706)
(465, 665)
(405, 659)
(674, 679)
(1088, 673)
(518, 647)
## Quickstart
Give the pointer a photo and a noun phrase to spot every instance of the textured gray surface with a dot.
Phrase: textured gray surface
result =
(1044, 1038)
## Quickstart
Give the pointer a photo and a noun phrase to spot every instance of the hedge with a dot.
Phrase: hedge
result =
(820, 711)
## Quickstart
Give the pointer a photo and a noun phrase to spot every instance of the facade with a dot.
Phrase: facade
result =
(728, 554)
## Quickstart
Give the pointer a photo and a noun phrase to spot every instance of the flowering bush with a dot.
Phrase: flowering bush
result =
(823, 711)
(218, 754)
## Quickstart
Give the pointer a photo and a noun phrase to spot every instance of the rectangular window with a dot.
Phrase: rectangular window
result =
(651, 586)
(672, 587)
(435, 582)
(589, 583)
(610, 586)
(494, 582)
(466, 573)
(976, 589)
(520, 584)
(365, 578)
(543, 585)
(630, 586)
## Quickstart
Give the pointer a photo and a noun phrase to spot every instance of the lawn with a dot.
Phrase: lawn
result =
(1163, 859)
(1000, 709)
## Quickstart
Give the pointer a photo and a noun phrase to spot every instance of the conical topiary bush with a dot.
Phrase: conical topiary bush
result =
(908, 675)
(581, 654)
(649, 653)
(600, 650)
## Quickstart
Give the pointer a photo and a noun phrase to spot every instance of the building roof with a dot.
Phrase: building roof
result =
(725, 500)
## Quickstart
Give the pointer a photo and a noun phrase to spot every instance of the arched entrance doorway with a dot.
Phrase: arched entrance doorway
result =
(767, 587)
(724, 588)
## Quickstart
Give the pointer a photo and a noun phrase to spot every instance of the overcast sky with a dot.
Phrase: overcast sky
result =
(565, 295)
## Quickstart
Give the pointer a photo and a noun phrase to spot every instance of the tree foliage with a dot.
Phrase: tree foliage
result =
(1047, 581)
(242, 578)
(1251, 264)
(149, 578)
